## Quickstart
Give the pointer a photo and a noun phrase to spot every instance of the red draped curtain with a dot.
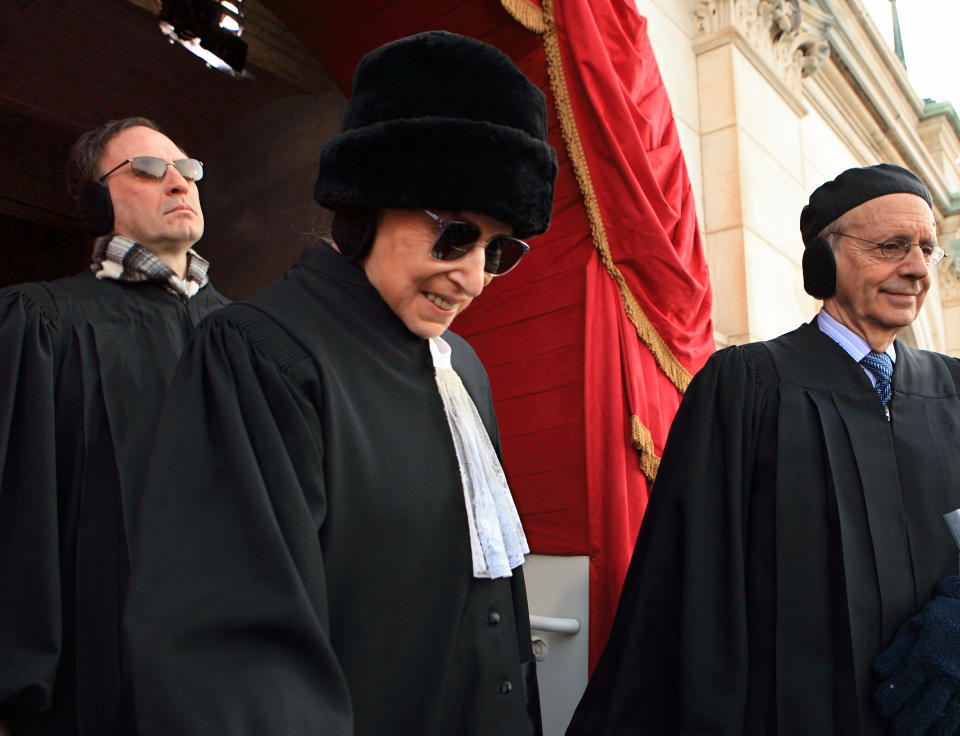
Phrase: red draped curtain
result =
(617, 313)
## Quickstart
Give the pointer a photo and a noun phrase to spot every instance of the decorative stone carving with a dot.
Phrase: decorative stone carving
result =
(949, 270)
(950, 284)
(777, 31)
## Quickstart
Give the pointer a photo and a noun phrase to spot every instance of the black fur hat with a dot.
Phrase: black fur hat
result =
(445, 121)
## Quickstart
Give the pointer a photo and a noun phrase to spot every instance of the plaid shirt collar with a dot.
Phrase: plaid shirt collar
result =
(117, 257)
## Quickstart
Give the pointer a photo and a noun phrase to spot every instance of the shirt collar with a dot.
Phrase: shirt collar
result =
(855, 346)
(120, 258)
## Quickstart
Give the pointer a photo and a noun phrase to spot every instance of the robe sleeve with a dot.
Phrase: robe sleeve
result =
(677, 659)
(226, 621)
(30, 630)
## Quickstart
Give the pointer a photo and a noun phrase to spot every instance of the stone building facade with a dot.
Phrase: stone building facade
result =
(772, 98)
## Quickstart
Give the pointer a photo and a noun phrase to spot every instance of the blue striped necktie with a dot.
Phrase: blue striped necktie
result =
(880, 365)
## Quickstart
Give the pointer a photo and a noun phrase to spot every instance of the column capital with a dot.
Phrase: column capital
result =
(785, 39)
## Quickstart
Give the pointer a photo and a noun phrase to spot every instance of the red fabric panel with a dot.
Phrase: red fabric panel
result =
(528, 328)
(340, 33)
(631, 143)
(639, 174)
(632, 150)
(616, 485)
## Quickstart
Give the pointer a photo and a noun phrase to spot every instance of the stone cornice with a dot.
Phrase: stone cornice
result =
(878, 45)
(855, 126)
(878, 81)
(934, 109)
(778, 38)
(950, 283)
(949, 236)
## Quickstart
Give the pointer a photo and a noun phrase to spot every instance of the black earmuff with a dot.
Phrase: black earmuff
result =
(819, 270)
(97, 209)
(353, 231)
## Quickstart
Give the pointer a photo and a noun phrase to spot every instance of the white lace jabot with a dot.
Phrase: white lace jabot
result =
(497, 540)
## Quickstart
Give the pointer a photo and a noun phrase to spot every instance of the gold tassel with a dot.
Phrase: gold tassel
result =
(526, 14)
(643, 443)
(664, 357)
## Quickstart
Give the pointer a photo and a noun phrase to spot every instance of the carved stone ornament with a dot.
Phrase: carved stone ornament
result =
(949, 284)
(950, 276)
(776, 30)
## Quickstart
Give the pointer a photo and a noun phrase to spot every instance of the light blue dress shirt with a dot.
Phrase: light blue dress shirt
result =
(855, 346)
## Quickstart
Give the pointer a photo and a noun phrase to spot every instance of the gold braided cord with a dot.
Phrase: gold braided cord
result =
(664, 357)
(643, 443)
(526, 13)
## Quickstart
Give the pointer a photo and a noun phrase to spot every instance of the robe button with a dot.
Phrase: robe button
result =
(506, 687)
(493, 618)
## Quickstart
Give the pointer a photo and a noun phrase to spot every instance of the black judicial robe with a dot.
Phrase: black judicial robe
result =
(302, 563)
(791, 531)
(84, 366)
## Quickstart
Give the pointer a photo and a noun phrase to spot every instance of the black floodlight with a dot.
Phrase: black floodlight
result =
(211, 29)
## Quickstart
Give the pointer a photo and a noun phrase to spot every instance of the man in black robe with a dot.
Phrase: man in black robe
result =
(84, 366)
(795, 523)
(332, 549)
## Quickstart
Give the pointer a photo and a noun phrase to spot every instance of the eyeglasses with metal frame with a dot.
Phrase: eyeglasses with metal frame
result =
(153, 167)
(896, 249)
(456, 238)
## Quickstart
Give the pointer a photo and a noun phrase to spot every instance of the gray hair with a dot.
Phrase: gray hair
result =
(829, 233)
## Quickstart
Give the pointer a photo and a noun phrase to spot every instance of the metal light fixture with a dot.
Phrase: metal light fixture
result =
(211, 29)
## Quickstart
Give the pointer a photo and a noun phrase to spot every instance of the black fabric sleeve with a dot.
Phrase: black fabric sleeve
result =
(30, 612)
(227, 620)
(677, 661)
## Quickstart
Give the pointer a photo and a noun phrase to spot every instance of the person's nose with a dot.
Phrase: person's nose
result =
(913, 266)
(469, 274)
(174, 181)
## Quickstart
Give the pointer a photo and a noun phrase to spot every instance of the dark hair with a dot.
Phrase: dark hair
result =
(353, 231)
(83, 166)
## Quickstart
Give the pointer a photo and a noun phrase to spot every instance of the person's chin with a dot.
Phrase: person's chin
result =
(898, 318)
(427, 328)
(430, 320)
(187, 233)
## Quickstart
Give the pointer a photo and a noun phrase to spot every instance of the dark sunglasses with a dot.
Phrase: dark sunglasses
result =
(455, 239)
(151, 167)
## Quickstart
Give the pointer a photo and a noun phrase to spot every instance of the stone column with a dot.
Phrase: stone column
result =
(948, 281)
(751, 58)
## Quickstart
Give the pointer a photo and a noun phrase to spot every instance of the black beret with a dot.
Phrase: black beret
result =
(852, 188)
(445, 121)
